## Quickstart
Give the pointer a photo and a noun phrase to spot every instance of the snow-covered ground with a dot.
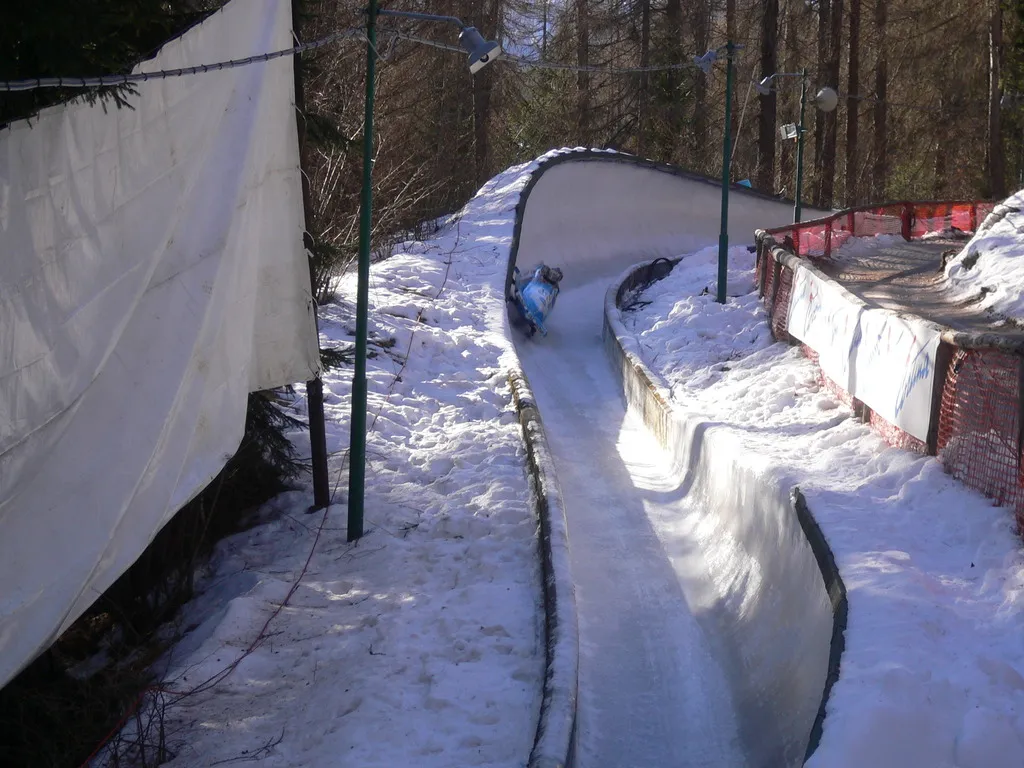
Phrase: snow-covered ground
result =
(422, 644)
(933, 671)
(989, 267)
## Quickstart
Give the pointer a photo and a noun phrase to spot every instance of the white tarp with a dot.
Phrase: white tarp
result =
(152, 274)
(883, 359)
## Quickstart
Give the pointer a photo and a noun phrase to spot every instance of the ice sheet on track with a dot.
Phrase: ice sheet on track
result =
(652, 688)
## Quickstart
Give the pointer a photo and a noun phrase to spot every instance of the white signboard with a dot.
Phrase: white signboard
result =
(884, 360)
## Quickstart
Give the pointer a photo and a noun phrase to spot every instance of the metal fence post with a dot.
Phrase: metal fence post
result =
(314, 387)
(905, 222)
(943, 359)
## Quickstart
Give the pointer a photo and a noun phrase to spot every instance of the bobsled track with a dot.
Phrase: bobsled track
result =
(713, 652)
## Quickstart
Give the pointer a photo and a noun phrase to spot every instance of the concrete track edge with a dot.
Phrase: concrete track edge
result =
(645, 392)
(556, 728)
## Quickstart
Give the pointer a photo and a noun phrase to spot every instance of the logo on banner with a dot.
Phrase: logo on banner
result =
(920, 369)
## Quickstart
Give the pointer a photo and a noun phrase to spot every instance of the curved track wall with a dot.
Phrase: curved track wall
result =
(784, 630)
(590, 212)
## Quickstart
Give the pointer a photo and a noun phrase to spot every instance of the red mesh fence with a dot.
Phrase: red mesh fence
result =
(821, 237)
(977, 417)
(780, 309)
(979, 424)
(893, 435)
(828, 384)
(775, 283)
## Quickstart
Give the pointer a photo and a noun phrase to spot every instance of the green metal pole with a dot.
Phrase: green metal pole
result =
(357, 451)
(800, 147)
(723, 237)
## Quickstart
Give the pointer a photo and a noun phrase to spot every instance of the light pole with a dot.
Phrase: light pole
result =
(481, 52)
(704, 64)
(826, 100)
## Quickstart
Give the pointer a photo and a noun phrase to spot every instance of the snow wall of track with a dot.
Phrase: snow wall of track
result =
(773, 600)
(592, 214)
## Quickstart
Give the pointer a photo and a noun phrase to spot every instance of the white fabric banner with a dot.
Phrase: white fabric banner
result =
(823, 318)
(885, 360)
(153, 273)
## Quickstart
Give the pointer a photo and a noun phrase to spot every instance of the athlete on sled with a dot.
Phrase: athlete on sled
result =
(534, 295)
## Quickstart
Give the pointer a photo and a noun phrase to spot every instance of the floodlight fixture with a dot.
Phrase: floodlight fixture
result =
(481, 52)
(789, 131)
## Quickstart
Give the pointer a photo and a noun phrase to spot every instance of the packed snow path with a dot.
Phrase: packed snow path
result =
(891, 273)
(652, 691)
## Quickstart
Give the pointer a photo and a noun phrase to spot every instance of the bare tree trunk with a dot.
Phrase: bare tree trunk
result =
(880, 169)
(644, 95)
(731, 35)
(794, 17)
(939, 159)
(765, 176)
(996, 162)
(544, 30)
(852, 106)
(583, 78)
(483, 83)
(826, 188)
(491, 14)
(824, 16)
(702, 34)
(676, 116)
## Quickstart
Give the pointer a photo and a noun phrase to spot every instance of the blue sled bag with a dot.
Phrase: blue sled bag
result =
(535, 296)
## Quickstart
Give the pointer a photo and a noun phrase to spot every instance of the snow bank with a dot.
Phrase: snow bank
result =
(932, 670)
(424, 642)
(990, 267)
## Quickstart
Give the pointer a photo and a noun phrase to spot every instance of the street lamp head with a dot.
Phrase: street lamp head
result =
(481, 52)
(705, 62)
(765, 86)
(827, 99)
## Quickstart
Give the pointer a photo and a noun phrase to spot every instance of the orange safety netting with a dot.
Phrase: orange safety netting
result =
(979, 421)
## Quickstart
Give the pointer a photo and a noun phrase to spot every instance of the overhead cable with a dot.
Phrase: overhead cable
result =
(35, 83)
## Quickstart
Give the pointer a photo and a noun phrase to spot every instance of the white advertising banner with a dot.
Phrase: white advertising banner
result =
(883, 359)
(895, 367)
(153, 274)
(823, 318)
